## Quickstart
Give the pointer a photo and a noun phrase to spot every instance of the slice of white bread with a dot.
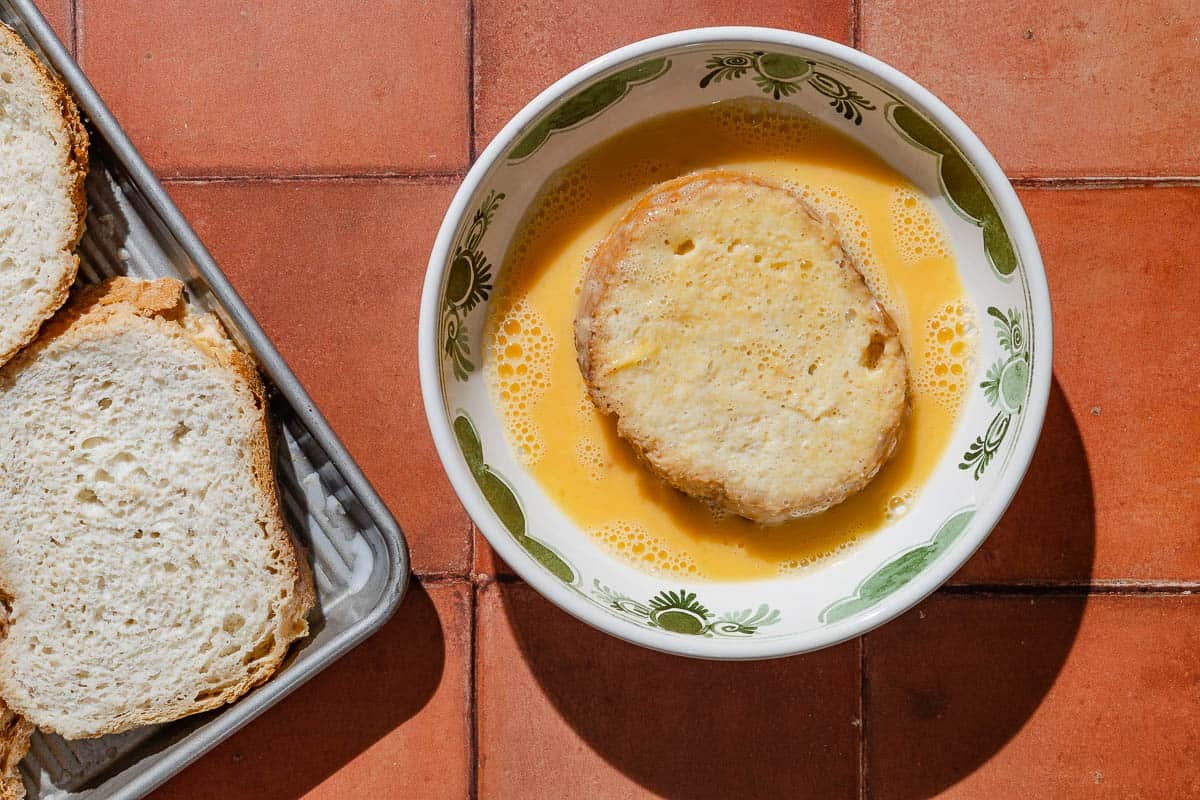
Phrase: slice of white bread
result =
(147, 569)
(742, 353)
(43, 163)
(14, 744)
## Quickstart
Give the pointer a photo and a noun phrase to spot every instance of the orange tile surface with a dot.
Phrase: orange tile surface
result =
(1063, 697)
(58, 14)
(319, 145)
(283, 88)
(335, 281)
(522, 46)
(487, 562)
(566, 711)
(389, 719)
(1060, 88)
(1112, 493)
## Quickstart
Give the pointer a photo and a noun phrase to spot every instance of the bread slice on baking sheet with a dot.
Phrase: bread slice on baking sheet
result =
(146, 567)
(43, 163)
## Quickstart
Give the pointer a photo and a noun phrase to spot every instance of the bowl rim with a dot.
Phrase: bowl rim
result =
(925, 582)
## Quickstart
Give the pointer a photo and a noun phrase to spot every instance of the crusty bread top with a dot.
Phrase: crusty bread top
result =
(743, 355)
(148, 569)
(43, 163)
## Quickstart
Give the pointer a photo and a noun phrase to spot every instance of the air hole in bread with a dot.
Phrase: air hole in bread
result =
(104, 402)
(685, 247)
(233, 623)
(874, 350)
(181, 430)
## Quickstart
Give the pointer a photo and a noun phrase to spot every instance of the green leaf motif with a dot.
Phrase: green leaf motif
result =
(1004, 387)
(588, 103)
(991, 383)
(783, 74)
(504, 502)
(899, 571)
(981, 452)
(962, 186)
(1008, 329)
(679, 611)
(468, 283)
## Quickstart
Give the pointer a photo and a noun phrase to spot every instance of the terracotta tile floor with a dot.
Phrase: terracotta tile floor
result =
(315, 147)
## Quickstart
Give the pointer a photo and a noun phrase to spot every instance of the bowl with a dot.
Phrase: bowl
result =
(999, 266)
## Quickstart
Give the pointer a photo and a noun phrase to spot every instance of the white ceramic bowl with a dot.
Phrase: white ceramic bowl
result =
(998, 263)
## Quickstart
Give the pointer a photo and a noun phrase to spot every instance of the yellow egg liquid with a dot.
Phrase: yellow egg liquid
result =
(886, 225)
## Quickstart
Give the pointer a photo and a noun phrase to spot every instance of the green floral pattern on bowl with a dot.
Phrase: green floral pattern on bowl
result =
(781, 74)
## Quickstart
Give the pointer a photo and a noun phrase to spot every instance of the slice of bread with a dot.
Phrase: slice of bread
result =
(43, 163)
(742, 353)
(14, 744)
(143, 558)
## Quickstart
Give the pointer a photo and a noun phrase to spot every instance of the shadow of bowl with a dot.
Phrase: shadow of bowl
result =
(944, 688)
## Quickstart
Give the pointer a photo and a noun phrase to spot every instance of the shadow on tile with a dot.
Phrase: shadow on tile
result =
(684, 728)
(950, 683)
(1049, 531)
(331, 720)
(691, 729)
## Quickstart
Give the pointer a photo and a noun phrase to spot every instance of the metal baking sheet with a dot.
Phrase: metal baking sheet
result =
(359, 556)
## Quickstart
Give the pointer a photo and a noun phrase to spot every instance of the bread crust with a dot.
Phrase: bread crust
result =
(604, 273)
(75, 166)
(15, 732)
(104, 309)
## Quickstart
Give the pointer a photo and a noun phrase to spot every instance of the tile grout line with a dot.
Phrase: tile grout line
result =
(73, 32)
(855, 24)
(1098, 588)
(473, 699)
(447, 177)
(470, 81)
(863, 787)
(438, 578)
(1105, 182)
(453, 176)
